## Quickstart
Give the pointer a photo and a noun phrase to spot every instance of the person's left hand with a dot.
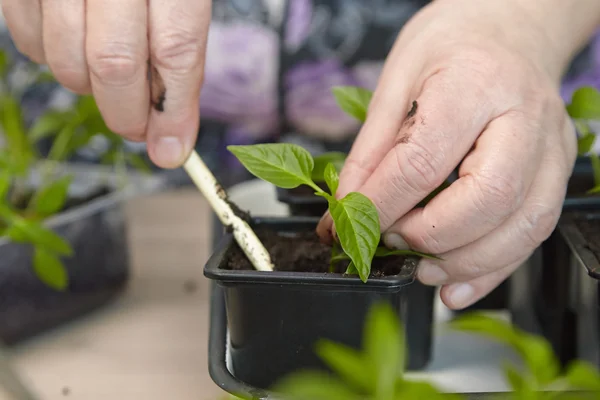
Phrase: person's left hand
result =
(484, 100)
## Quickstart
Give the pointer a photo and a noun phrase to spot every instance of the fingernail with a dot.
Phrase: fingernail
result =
(461, 295)
(431, 274)
(395, 241)
(170, 152)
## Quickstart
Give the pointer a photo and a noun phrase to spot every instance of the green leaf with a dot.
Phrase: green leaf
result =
(516, 379)
(536, 353)
(585, 104)
(36, 234)
(282, 164)
(48, 124)
(595, 160)
(585, 143)
(347, 363)
(384, 346)
(314, 386)
(11, 118)
(351, 269)
(321, 161)
(582, 375)
(4, 63)
(385, 252)
(332, 179)
(353, 100)
(594, 190)
(50, 270)
(5, 184)
(52, 197)
(357, 226)
(45, 77)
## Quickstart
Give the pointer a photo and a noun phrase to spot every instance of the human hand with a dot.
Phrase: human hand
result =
(104, 47)
(474, 81)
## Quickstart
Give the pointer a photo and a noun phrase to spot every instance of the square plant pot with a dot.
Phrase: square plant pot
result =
(580, 232)
(275, 318)
(547, 280)
(95, 227)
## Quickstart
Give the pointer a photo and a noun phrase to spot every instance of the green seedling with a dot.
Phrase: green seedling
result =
(541, 377)
(24, 209)
(585, 106)
(355, 216)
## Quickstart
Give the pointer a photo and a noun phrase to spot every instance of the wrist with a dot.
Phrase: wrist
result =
(563, 29)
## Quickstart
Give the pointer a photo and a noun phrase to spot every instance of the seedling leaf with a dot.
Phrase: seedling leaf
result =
(585, 143)
(347, 363)
(51, 198)
(353, 100)
(50, 270)
(48, 124)
(5, 183)
(282, 164)
(384, 346)
(314, 386)
(357, 225)
(321, 161)
(535, 352)
(332, 179)
(582, 375)
(585, 103)
(33, 232)
(4, 63)
(351, 269)
(385, 252)
(517, 380)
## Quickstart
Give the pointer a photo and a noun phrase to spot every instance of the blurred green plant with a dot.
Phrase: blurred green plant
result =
(377, 371)
(23, 209)
(585, 107)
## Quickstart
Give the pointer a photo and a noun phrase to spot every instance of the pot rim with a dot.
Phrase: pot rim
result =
(213, 271)
(577, 243)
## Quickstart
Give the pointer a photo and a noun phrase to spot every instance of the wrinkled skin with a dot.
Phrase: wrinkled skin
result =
(103, 47)
(483, 96)
(484, 75)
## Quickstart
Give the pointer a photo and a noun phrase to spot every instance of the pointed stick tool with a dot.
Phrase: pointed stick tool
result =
(217, 198)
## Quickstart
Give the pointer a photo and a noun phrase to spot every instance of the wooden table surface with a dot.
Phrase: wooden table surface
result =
(152, 342)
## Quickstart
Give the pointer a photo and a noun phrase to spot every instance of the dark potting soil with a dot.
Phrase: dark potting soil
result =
(590, 229)
(303, 252)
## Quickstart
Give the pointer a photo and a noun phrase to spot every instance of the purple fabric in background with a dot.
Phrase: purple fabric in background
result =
(272, 67)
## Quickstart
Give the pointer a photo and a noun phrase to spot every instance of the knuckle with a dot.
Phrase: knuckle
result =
(418, 167)
(115, 66)
(497, 196)
(178, 50)
(538, 223)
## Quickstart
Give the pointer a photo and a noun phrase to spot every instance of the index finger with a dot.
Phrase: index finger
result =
(178, 33)
(448, 117)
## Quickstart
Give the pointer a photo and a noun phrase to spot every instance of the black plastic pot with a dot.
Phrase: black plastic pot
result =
(547, 280)
(98, 270)
(275, 318)
(302, 201)
(584, 262)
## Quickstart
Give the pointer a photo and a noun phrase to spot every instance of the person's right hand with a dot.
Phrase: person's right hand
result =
(104, 47)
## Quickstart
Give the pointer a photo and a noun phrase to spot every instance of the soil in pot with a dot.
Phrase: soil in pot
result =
(303, 252)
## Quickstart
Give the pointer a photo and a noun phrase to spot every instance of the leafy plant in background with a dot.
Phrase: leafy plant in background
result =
(585, 106)
(377, 371)
(355, 216)
(23, 209)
